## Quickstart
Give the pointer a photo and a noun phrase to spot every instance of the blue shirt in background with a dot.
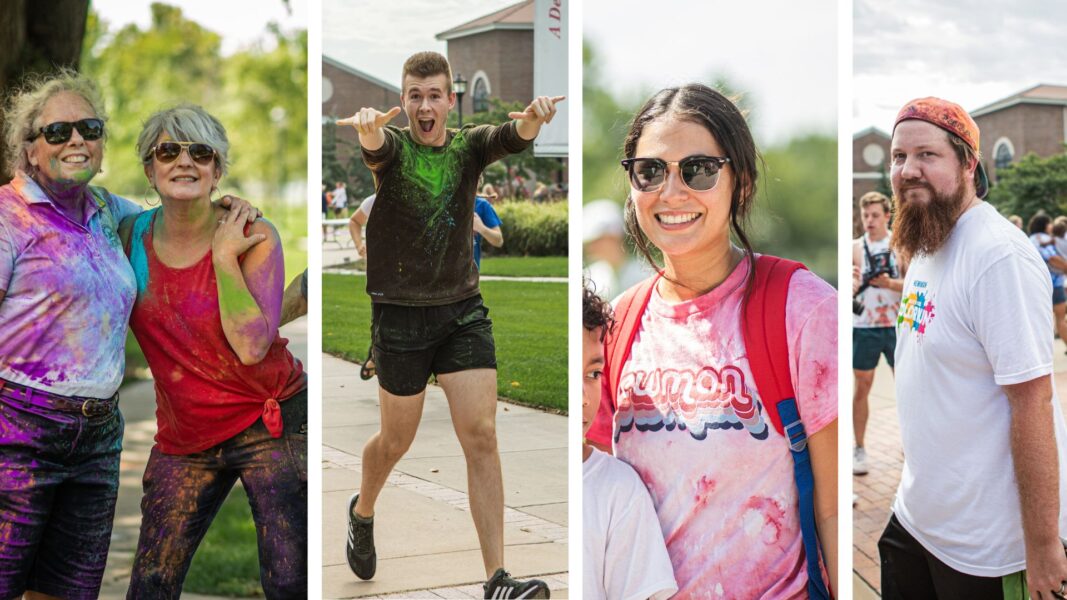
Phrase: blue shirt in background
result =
(485, 211)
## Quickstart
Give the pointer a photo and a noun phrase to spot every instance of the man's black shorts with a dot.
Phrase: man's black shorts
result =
(868, 343)
(411, 342)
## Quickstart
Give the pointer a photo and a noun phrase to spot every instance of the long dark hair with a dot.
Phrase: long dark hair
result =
(704, 106)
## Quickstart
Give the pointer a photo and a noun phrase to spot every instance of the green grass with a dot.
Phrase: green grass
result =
(529, 324)
(503, 266)
(227, 561)
(525, 266)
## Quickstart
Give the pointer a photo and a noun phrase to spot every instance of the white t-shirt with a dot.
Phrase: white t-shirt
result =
(625, 557)
(340, 198)
(879, 304)
(368, 204)
(975, 316)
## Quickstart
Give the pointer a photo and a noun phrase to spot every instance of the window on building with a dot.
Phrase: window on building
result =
(480, 95)
(1002, 156)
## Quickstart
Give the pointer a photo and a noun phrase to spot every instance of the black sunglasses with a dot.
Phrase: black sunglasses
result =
(166, 152)
(700, 173)
(60, 131)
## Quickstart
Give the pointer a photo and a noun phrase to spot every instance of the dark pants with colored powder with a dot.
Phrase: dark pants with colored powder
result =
(59, 478)
(182, 494)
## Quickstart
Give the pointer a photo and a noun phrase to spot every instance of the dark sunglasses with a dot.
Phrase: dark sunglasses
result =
(166, 152)
(60, 131)
(700, 173)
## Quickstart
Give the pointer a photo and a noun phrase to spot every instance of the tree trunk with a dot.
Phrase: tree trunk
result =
(40, 36)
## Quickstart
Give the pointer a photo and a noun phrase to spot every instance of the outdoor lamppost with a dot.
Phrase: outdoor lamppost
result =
(459, 85)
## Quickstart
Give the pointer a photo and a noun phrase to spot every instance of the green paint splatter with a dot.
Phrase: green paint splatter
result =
(435, 173)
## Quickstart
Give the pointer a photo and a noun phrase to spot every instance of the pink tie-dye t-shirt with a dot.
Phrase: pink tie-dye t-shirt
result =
(691, 424)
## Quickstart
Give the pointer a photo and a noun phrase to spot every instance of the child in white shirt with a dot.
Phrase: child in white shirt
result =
(625, 556)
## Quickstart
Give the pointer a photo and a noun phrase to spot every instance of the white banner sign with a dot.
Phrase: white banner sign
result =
(550, 72)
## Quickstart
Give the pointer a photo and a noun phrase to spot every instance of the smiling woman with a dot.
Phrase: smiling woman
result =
(232, 400)
(692, 167)
(66, 291)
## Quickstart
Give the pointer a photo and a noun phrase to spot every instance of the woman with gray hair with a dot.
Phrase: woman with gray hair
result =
(231, 399)
(66, 290)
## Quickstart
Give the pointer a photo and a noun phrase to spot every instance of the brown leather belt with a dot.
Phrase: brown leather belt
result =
(89, 407)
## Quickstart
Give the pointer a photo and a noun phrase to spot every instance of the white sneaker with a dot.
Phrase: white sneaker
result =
(859, 461)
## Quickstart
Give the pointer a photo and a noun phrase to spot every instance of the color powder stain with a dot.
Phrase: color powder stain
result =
(763, 517)
(434, 176)
(705, 488)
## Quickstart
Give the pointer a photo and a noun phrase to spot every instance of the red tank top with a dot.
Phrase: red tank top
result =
(204, 395)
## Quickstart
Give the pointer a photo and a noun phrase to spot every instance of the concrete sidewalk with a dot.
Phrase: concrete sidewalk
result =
(885, 459)
(425, 538)
(138, 404)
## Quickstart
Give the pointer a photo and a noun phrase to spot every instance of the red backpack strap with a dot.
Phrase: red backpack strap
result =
(767, 346)
(766, 342)
(628, 311)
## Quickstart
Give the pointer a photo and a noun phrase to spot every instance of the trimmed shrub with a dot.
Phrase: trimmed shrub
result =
(531, 229)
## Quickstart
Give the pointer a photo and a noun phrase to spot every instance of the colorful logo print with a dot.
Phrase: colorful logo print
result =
(916, 310)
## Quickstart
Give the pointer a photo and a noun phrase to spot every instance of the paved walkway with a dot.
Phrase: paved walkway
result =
(138, 403)
(885, 460)
(427, 547)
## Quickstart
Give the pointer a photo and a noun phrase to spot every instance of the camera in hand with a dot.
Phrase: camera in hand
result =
(880, 264)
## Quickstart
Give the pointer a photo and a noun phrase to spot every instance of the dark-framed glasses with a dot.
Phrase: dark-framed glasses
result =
(60, 131)
(700, 173)
(166, 152)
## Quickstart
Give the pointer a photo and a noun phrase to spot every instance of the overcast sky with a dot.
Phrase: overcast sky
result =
(973, 56)
(377, 36)
(239, 22)
(782, 53)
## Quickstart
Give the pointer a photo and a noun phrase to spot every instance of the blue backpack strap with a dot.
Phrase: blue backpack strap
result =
(767, 347)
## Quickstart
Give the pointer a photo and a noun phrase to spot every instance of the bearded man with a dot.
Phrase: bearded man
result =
(980, 509)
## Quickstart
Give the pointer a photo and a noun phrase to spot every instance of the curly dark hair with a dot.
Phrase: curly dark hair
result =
(596, 312)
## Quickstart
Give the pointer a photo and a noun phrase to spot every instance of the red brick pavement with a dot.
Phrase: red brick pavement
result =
(875, 491)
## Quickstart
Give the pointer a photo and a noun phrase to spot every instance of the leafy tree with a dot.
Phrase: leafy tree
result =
(259, 93)
(140, 72)
(1030, 185)
(543, 169)
(264, 105)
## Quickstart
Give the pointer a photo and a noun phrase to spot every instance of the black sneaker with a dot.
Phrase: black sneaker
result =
(502, 585)
(362, 558)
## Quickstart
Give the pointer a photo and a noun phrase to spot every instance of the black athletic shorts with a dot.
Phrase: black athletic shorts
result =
(411, 342)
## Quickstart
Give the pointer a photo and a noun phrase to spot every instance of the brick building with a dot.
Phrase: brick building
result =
(346, 89)
(495, 54)
(1033, 120)
(870, 167)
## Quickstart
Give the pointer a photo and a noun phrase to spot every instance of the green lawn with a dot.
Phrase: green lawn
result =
(503, 266)
(227, 561)
(525, 266)
(529, 324)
